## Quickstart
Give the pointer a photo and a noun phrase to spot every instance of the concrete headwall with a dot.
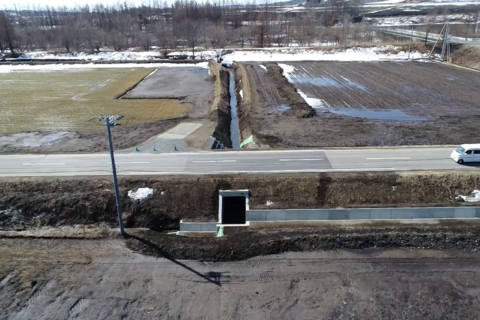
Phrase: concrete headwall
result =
(364, 214)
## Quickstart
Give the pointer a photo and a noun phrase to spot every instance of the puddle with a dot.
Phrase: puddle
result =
(379, 115)
(329, 82)
(451, 78)
(278, 108)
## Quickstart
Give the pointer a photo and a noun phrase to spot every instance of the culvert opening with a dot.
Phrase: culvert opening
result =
(233, 206)
(234, 210)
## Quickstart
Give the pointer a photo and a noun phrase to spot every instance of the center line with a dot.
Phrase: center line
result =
(227, 161)
(204, 161)
(300, 160)
(42, 164)
(390, 158)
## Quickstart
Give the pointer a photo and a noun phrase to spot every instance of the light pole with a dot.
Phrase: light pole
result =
(410, 45)
(110, 121)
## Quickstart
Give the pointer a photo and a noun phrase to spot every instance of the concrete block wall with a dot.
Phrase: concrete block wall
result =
(363, 214)
(198, 226)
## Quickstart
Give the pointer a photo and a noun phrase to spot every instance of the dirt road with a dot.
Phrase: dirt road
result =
(102, 279)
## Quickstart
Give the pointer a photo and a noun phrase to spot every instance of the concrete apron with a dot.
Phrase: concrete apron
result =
(326, 215)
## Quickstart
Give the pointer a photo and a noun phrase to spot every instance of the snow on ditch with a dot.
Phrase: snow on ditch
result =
(140, 194)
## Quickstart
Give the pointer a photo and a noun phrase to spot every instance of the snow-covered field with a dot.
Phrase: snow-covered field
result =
(352, 54)
(83, 67)
(270, 54)
(101, 56)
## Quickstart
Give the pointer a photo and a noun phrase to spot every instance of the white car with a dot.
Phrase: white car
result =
(466, 153)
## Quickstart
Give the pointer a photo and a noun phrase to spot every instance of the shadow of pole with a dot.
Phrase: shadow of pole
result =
(168, 257)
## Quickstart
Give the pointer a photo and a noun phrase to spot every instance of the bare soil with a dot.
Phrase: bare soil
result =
(124, 136)
(103, 279)
(31, 202)
(191, 85)
(467, 56)
(357, 96)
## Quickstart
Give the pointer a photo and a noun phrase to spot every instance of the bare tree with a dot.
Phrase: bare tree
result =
(8, 34)
(189, 30)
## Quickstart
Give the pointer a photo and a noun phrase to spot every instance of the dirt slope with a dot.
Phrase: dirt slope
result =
(31, 202)
(467, 56)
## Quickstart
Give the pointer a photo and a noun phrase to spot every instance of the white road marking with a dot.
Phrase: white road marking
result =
(391, 158)
(214, 161)
(129, 162)
(42, 164)
(284, 160)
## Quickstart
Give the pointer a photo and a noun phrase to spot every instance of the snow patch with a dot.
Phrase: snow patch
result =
(313, 102)
(35, 139)
(241, 93)
(473, 197)
(263, 67)
(140, 194)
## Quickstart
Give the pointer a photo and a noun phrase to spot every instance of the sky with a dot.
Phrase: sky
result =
(69, 3)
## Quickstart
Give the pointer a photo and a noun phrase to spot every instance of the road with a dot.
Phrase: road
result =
(432, 37)
(335, 160)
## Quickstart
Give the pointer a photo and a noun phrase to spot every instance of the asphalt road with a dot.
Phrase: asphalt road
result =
(432, 37)
(337, 160)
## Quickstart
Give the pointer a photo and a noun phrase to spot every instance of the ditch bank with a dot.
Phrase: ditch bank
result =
(278, 239)
(33, 202)
(220, 110)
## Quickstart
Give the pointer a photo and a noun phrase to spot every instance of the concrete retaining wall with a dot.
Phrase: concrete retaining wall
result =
(364, 214)
(198, 226)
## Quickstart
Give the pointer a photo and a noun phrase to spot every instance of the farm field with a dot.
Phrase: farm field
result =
(368, 104)
(66, 100)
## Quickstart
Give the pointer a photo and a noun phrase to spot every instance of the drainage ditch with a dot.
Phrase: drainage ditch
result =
(234, 123)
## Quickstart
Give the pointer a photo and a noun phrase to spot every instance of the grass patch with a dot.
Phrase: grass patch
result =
(68, 99)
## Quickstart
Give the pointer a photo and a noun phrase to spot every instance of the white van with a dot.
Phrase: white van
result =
(466, 153)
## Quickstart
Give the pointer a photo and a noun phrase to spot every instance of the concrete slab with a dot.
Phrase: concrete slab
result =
(198, 226)
(423, 213)
(180, 131)
(256, 215)
(338, 214)
(360, 214)
(298, 214)
(318, 215)
(406, 213)
(464, 212)
(277, 215)
(443, 213)
(380, 214)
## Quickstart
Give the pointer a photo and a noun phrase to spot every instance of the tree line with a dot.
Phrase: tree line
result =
(184, 24)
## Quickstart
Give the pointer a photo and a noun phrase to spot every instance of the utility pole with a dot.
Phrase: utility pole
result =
(410, 44)
(478, 21)
(109, 123)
